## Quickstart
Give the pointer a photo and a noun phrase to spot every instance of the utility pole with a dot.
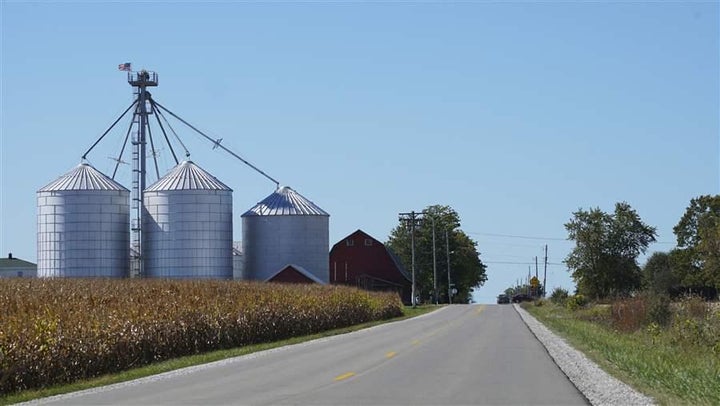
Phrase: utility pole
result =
(527, 287)
(447, 254)
(545, 274)
(435, 292)
(412, 219)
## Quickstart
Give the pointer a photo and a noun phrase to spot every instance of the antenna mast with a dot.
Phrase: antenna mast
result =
(140, 81)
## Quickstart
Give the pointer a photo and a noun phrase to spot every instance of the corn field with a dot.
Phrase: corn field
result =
(62, 330)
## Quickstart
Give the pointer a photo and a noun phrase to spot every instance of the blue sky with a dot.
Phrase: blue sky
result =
(515, 114)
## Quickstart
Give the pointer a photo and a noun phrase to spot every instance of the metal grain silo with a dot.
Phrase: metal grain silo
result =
(187, 226)
(83, 226)
(285, 228)
(238, 261)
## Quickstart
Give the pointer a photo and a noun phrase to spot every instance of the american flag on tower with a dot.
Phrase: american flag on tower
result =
(125, 66)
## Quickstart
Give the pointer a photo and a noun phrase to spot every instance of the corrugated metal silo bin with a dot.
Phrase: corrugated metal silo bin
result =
(238, 261)
(83, 226)
(285, 228)
(187, 226)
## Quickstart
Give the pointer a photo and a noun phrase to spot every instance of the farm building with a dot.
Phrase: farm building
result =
(12, 267)
(294, 274)
(285, 228)
(362, 261)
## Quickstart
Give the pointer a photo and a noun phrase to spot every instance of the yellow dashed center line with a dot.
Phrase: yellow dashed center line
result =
(344, 376)
(391, 354)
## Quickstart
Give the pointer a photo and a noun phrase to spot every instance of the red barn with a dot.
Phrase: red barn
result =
(292, 273)
(362, 261)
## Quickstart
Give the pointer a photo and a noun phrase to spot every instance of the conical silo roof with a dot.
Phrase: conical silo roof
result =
(285, 202)
(187, 176)
(83, 177)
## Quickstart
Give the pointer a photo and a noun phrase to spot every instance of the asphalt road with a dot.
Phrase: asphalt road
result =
(459, 355)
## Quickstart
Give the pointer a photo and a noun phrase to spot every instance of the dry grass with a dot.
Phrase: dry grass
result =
(669, 350)
(57, 331)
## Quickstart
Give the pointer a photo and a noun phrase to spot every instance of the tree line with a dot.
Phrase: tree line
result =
(604, 263)
(458, 251)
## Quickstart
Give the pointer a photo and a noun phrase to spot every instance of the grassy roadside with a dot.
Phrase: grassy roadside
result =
(670, 373)
(193, 360)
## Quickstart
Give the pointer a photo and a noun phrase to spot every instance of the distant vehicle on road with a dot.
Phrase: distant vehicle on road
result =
(522, 297)
(503, 299)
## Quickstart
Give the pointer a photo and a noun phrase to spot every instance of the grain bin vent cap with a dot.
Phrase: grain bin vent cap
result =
(83, 177)
(187, 176)
(285, 202)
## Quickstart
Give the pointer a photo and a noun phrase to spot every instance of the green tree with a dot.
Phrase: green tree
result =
(525, 289)
(604, 260)
(466, 269)
(684, 268)
(559, 296)
(658, 273)
(698, 237)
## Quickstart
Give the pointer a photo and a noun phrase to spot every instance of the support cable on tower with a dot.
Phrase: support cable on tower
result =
(122, 150)
(84, 156)
(153, 152)
(138, 132)
(159, 114)
(217, 143)
(167, 140)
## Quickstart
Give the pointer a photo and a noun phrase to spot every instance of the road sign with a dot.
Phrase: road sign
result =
(534, 282)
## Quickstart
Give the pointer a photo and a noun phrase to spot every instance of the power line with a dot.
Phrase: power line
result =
(520, 263)
(509, 244)
(527, 237)
(508, 256)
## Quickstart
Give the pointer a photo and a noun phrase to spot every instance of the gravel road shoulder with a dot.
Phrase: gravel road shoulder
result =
(597, 386)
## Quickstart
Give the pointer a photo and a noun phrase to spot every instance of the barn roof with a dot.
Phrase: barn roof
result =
(398, 263)
(304, 272)
(15, 263)
(396, 260)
